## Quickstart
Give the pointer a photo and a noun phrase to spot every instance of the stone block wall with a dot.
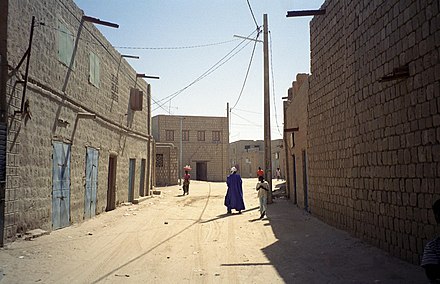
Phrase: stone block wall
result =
(56, 94)
(214, 153)
(373, 143)
(166, 167)
(295, 142)
(247, 155)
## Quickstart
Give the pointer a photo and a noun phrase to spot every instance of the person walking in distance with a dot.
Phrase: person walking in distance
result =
(263, 188)
(234, 194)
(431, 254)
(186, 179)
(260, 172)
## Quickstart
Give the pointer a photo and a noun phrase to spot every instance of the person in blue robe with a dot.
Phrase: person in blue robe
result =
(234, 195)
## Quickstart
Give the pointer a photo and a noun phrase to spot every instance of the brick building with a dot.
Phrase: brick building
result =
(167, 162)
(295, 140)
(373, 121)
(248, 155)
(75, 129)
(205, 143)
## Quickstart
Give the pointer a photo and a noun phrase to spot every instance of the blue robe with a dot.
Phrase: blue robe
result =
(234, 195)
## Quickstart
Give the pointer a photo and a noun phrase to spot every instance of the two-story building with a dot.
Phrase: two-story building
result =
(74, 119)
(202, 142)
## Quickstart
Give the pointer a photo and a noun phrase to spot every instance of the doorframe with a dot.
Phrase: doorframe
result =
(131, 179)
(305, 181)
(111, 182)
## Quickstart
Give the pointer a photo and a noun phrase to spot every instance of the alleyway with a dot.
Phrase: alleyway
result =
(188, 239)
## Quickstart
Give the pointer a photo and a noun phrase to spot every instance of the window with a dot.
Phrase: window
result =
(200, 135)
(65, 44)
(185, 135)
(115, 87)
(277, 155)
(216, 136)
(159, 160)
(94, 70)
(169, 135)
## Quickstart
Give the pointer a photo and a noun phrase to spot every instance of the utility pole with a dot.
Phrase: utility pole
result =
(267, 139)
(180, 159)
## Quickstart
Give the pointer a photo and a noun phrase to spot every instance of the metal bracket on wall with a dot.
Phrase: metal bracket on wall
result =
(27, 56)
(398, 73)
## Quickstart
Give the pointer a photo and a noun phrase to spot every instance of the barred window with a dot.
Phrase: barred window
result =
(200, 135)
(159, 160)
(169, 135)
(216, 136)
(185, 135)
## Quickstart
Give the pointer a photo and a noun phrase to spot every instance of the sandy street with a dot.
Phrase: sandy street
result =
(189, 239)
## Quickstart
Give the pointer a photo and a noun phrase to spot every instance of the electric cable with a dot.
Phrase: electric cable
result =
(247, 72)
(177, 47)
(273, 84)
(213, 68)
(252, 13)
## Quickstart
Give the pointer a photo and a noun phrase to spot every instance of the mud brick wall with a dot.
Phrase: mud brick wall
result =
(295, 112)
(56, 93)
(374, 147)
(214, 153)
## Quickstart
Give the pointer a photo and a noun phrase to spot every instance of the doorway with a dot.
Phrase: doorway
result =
(131, 175)
(92, 155)
(295, 197)
(60, 185)
(201, 171)
(111, 189)
(305, 182)
(142, 179)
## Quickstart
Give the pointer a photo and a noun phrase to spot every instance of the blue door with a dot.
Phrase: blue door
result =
(60, 185)
(92, 156)
(131, 174)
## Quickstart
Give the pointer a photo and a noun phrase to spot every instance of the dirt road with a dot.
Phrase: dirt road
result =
(189, 239)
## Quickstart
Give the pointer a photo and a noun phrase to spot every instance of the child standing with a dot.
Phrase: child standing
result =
(263, 188)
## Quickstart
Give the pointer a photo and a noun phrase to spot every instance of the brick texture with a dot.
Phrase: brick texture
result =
(55, 97)
(372, 145)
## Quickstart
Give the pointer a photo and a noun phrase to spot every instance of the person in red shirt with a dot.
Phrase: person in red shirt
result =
(260, 172)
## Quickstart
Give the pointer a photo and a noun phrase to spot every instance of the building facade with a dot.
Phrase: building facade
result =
(204, 140)
(167, 162)
(75, 121)
(372, 155)
(248, 155)
(295, 140)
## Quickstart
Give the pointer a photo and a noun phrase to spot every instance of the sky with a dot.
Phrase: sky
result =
(202, 66)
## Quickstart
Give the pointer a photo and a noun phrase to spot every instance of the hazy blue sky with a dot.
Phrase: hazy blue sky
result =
(150, 24)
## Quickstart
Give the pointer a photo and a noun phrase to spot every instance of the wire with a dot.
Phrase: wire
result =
(213, 68)
(176, 47)
(247, 72)
(117, 60)
(251, 122)
(273, 84)
(252, 13)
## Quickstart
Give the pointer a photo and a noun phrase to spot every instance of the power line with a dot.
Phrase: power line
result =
(273, 84)
(117, 60)
(213, 68)
(247, 72)
(176, 47)
(251, 122)
(252, 13)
